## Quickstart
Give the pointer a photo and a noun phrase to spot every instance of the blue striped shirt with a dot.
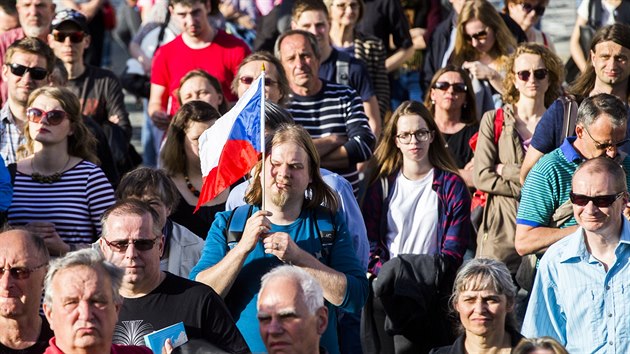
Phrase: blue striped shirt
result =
(577, 302)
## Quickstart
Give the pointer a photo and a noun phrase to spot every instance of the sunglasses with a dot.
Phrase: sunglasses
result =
(140, 245)
(606, 146)
(539, 10)
(75, 37)
(20, 272)
(479, 36)
(247, 80)
(459, 87)
(539, 74)
(37, 73)
(54, 117)
(600, 201)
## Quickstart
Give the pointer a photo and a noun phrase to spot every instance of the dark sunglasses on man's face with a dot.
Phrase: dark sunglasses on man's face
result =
(539, 10)
(600, 201)
(75, 37)
(140, 245)
(36, 72)
(54, 117)
(539, 74)
(459, 87)
(479, 36)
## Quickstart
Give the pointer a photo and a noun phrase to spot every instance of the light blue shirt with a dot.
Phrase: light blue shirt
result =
(577, 302)
(347, 203)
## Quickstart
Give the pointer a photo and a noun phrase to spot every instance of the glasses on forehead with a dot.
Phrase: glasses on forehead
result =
(539, 10)
(75, 37)
(420, 135)
(247, 80)
(600, 201)
(140, 244)
(479, 36)
(36, 72)
(539, 74)
(20, 272)
(606, 146)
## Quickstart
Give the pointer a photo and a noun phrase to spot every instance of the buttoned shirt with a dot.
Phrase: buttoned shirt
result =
(10, 136)
(576, 301)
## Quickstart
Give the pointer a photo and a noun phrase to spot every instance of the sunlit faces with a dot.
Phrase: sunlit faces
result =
(414, 151)
(601, 131)
(299, 61)
(44, 132)
(532, 88)
(482, 312)
(590, 217)
(344, 12)
(192, 19)
(316, 23)
(610, 61)
(198, 88)
(82, 312)
(253, 70)
(35, 16)
(480, 36)
(69, 50)
(20, 87)
(449, 99)
(526, 14)
(193, 132)
(287, 173)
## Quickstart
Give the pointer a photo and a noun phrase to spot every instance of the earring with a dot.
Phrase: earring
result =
(432, 102)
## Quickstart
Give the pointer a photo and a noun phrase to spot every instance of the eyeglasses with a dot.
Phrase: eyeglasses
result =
(343, 6)
(247, 80)
(54, 117)
(140, 245)
(20, 273)
(37, 73)
(539, 10)
(539, 74)
(420, 135)
(479, 36)
(600, 201)
(459, 87)
(606, 146)
(75, 37)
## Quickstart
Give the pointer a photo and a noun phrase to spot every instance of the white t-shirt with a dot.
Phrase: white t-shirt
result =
(607, 12)
(412, 218)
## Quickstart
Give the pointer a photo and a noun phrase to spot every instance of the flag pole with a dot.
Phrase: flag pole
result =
(262, 136)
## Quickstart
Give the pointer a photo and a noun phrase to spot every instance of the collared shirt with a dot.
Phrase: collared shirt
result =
(10, 136)
(577, 302)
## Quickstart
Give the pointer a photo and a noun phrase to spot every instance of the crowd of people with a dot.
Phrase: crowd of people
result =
(435, 180)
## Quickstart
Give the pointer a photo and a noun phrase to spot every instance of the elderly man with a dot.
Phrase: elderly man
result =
(81, 303)
(580, 295)
(23, 261)
(287, 231)
(332, 114)
(153, 299)
(291, 311)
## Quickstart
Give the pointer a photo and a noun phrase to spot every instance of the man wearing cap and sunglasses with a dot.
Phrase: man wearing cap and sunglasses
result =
(580, 295)
(27, 65)
(153, 299)
(544, 214)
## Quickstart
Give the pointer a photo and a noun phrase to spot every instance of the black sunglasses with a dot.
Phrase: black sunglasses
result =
(539, 10)
(444, 86)
(479, 36)
(75, 37)
(247, 80)
(20, 272)
(140, 245)
(539, 74)
(600, 201)
(37, 73)
(54, 117)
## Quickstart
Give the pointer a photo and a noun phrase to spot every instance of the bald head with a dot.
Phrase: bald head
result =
(604, 167)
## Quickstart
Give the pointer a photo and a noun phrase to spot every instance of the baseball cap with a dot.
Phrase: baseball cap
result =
(70, 15)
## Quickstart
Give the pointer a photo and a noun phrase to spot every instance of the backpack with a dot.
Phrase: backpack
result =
(324, 226)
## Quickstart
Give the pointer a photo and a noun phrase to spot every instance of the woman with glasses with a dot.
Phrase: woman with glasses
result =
(59, 192)
(344, 16)
(180, 159)
(482, 45)
(416, 203)
(532, 83)
(451, 100)
(527, 13)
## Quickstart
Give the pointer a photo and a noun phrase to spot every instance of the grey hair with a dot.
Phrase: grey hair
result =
(594, 106)
(132, 207)
(312, 292)
(309, 37)
(86, 257)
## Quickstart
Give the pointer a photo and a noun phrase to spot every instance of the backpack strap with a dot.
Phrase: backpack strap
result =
(570, 116)
(498, 124)
(325, 229)
(236, 224)
(343, 68)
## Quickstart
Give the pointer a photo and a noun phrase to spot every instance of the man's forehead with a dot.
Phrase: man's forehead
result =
(33, 2)
(312, 17)
(125, 224)
(610, 46)
(22, 57)
(296, 42)
(185, 8)
(15, 247)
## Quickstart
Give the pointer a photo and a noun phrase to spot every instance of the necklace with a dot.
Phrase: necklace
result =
(191, 188)
(49, 179)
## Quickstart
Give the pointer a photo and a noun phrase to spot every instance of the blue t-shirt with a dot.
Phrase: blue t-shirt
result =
(242, 298)
(548, 133)
(6, 188)
(359, 78)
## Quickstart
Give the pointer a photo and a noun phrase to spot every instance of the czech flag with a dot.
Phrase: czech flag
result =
(231, 147)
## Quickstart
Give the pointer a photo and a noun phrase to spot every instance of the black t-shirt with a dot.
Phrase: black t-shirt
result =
(39, 347)
(457, 144)
(178, 299)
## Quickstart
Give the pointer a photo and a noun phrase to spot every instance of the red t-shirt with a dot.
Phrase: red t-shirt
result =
(116, 349)
(175, 59)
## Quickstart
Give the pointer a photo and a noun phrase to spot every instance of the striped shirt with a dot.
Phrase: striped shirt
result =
(74, 204)
(337, 110)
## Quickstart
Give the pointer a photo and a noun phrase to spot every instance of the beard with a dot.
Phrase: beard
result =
(280, 199)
